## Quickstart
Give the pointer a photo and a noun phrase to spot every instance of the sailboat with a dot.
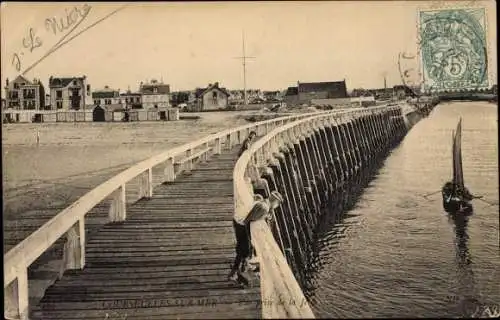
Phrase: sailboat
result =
(456, 197)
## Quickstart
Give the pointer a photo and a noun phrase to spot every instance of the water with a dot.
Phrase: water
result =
(398, 255)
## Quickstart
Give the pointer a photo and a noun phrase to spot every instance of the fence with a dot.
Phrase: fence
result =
(29, 116)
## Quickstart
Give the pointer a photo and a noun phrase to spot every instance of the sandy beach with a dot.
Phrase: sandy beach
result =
(73, 158)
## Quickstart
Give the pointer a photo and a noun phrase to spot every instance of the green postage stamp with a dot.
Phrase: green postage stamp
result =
(453, 49)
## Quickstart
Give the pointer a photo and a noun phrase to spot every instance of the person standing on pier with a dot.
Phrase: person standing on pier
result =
(241, 224)
(248, 141)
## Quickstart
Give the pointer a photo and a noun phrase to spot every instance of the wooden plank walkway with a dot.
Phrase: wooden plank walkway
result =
(169, 259)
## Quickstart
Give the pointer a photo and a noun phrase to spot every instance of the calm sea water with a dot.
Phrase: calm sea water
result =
(397, 254)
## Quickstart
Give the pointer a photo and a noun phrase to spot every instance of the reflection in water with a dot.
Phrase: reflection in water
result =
(467, 297)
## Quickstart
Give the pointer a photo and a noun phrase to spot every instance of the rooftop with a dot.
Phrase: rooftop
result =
(63, 82)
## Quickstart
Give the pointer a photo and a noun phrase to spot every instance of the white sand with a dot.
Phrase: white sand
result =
(72, 158)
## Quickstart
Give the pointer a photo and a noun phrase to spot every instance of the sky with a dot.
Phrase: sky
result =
(192, 44)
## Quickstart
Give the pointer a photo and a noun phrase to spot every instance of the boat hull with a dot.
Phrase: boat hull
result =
(455, 205)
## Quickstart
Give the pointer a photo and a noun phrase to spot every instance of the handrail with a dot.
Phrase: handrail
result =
(277, 278)
(19, 258)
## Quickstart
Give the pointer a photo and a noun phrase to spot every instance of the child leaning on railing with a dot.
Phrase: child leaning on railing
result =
(241, 223)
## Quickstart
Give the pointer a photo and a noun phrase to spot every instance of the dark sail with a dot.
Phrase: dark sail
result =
(458, 175)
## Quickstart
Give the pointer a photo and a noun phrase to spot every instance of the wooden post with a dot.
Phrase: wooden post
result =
(23, 294)
(206, 155)
(16, 297)
(74, 248)
(169, 172)
(146, 184)
(118, 210)
(217, 147)
(228, 142)
(189, 163)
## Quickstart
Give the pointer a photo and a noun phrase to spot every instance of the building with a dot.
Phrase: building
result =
(305, 92)
(211, 98)
(255, 95)
(402, 91)
(321, 90)
(235, 97)
(131, 100)
(106, 96)
(47, 101)
(382, 93)
(272, 96)
(22, 94)
(155, 94)
(69, 93)
(291, 97)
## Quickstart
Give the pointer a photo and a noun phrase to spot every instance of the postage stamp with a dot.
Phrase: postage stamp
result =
(453, 49)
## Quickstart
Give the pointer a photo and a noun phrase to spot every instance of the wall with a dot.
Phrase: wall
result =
(208, 100)
(291, 100)
(27, 116)
(305, 97)
(160, 100)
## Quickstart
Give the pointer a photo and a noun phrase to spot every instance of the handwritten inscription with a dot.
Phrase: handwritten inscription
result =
(32, 41)
(72, 17)
(54, 25)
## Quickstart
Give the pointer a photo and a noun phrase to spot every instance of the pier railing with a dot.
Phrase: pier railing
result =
(281, 294)
(112, 196)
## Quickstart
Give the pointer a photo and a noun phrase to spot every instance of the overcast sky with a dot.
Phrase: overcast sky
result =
(193, 44)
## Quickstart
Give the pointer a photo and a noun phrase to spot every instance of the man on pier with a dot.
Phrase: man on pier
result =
(241, 224)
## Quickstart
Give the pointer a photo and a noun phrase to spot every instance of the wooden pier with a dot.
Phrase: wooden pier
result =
(156, 241)
(169, 259)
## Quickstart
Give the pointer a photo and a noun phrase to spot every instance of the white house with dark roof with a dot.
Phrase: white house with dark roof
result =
(155, 95)
(69, 93)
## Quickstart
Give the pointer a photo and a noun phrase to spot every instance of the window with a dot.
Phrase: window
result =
(138, 99)
(74, 82)
(155, 90)
(16, 85)
(88, 89)
(59, 94)
(107, 101)
(28, 105)
(97, 102)
(59, 104)
(29, 93)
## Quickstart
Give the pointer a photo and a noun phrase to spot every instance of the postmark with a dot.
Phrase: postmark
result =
(453, 49)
